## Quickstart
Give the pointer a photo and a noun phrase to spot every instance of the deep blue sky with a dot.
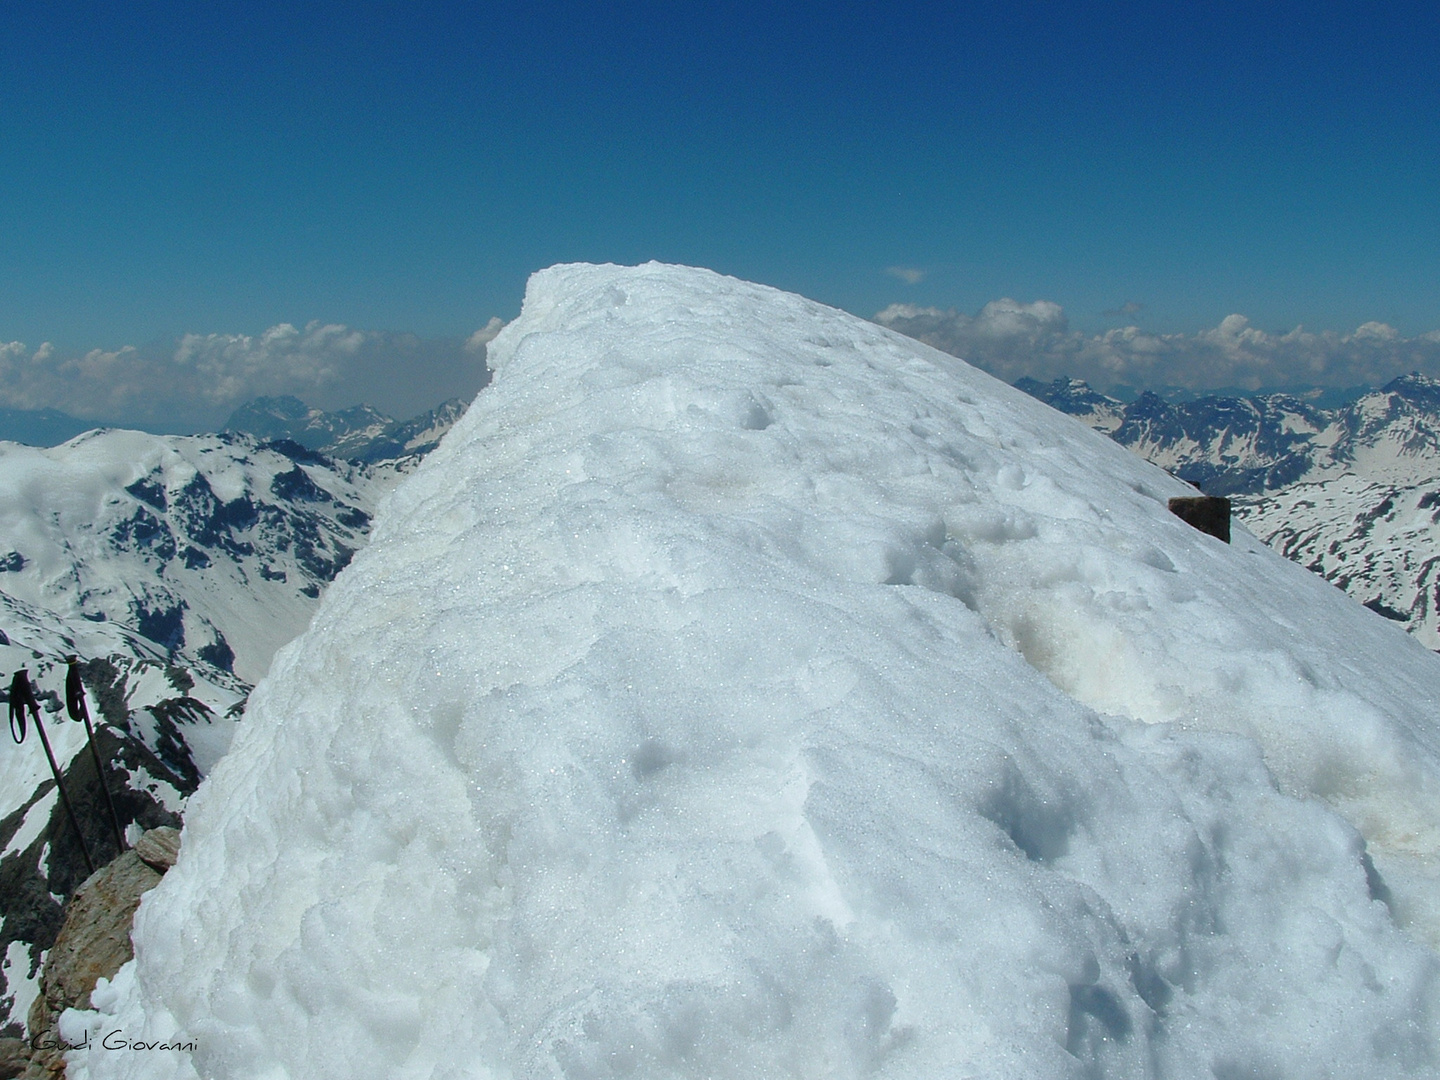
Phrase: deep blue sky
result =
(221, 167)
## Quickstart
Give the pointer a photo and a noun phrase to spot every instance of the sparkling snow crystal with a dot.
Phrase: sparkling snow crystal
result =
(743, 690)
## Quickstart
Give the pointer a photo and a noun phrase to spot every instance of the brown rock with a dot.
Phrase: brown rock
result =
(159, 848)
(94, 941)
(14, 1056)
(45, 1065)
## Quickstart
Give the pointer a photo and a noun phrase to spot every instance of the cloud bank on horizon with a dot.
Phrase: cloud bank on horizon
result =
(1010, 340)
(194, 383)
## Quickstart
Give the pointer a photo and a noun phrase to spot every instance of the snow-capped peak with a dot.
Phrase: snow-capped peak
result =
(743, 689)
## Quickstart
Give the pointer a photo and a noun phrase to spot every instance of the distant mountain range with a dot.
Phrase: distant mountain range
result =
(1352, 492)
(359, 433)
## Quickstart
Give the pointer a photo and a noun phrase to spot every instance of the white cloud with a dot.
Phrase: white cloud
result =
(908, 274)
(230, 368)
(1011, 340)
(477, 341)
(204, 376)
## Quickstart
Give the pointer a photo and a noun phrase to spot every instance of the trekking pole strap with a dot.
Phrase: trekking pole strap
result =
(20, 696)
(75, 694)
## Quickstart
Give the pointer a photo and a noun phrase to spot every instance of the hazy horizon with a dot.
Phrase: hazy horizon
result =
(194, 383)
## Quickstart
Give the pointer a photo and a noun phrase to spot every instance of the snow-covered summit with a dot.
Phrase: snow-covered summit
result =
(742, 689)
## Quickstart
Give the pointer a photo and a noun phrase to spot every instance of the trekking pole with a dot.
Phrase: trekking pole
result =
(78, 710)
(21, 698)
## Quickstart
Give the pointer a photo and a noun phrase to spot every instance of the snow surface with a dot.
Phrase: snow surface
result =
(744, 690)
(24, 986)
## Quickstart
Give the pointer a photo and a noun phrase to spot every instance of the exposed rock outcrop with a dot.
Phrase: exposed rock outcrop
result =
(93, 943)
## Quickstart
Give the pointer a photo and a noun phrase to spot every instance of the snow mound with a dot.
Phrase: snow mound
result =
(744, 690)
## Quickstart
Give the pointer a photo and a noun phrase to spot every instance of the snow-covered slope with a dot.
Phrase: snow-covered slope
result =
(213, 546)
(1379, 542)
(1349, 492)
(742, 689)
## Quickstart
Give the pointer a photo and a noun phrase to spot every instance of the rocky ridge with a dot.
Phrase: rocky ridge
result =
(93, 944)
